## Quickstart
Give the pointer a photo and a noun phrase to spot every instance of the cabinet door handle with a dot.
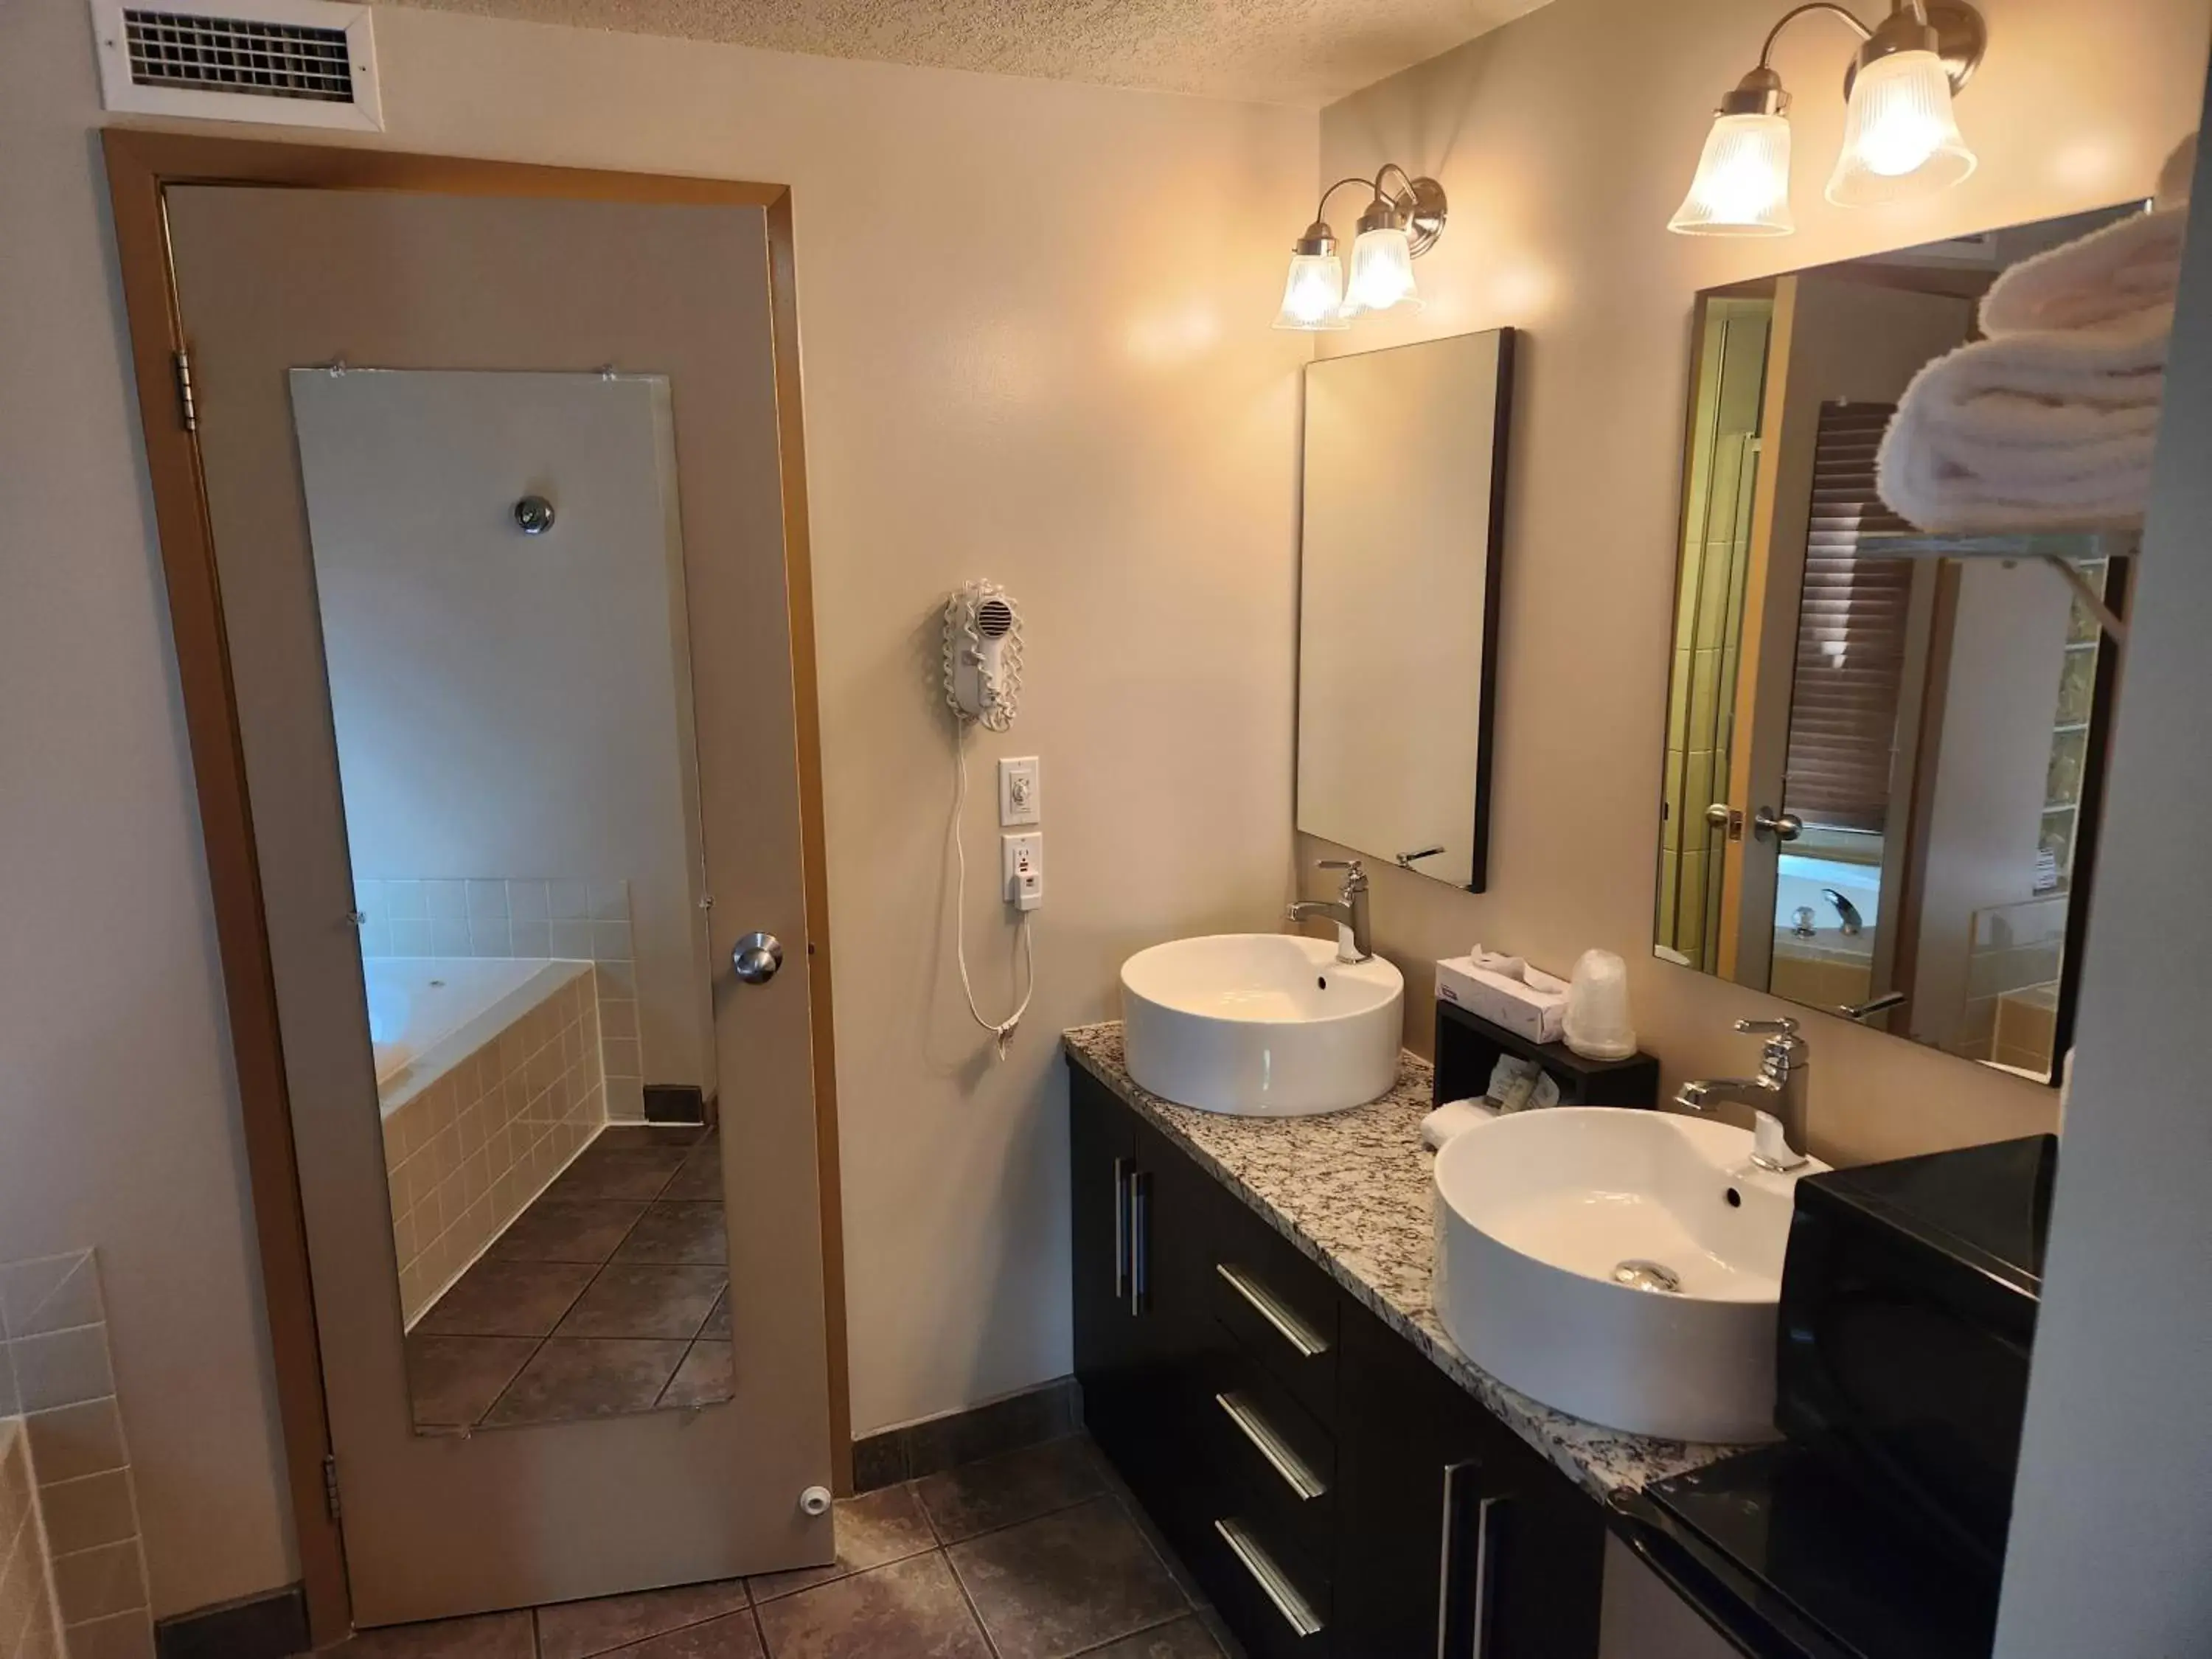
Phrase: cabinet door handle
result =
(1302, 1481)
(1292, 1329)
(1464, 1606)
(1140, 1241)
(1274, 1582)
(1121, 1229)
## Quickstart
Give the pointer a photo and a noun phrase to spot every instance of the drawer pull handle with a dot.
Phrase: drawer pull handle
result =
(1288, 1326)
(1302, 1481)
(1271, 1579)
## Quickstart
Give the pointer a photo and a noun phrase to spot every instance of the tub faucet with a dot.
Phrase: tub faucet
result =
(1776, 1095)
(1348, 910)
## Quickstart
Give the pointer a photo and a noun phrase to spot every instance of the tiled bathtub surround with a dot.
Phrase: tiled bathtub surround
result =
(54, 1369)
(466, 1155)
(530, 916)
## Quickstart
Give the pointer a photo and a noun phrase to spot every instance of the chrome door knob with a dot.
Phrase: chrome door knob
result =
(756, 957)
(1783, 826)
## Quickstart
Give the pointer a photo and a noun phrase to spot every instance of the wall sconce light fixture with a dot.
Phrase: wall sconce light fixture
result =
(1399, 226)
(1901, 138)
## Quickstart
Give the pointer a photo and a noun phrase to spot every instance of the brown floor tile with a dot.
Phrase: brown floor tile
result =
(688, 1234)
(493, 1636)
(631, 1137)
(453, 1380)
(1018, 1486)
(507, 1298)
(717, 1327)
(576, 1629)
(568, 1380)
(911, 1609)
(872, 1530)
(646, 1302)
(1066, 1583)
(701, 1177)
(1186, 1638)
(553, 1231)
(734, 1638)
(706, 1376)
(616, 1172)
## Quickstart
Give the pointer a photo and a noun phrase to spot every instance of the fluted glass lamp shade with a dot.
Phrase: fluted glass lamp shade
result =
(1313, 294)
(1741, 187)
(1381, 271)
(1901, 138)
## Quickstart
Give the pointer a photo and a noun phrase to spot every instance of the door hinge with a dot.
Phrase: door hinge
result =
(187, 408)
(331, 1484)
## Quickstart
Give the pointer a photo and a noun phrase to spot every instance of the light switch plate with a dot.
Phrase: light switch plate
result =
(1021, 799)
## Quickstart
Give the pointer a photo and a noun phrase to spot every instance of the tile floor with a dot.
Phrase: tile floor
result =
(1035, 1554)
(609, 1294)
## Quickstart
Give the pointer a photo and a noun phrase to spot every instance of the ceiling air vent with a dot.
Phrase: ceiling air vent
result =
(294, 62)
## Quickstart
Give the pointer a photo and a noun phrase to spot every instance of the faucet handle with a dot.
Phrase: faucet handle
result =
(1783, 1026)
(1355, 872)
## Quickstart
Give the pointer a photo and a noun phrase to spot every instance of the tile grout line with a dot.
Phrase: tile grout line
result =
(968, 1600)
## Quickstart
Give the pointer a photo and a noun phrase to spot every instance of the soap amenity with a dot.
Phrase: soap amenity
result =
(1597, 1025)
(1528, 1002)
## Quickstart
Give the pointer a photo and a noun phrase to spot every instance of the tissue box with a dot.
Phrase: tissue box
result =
(1534, 1008)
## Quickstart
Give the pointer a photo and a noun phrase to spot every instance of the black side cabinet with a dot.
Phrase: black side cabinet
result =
(1335, 1492)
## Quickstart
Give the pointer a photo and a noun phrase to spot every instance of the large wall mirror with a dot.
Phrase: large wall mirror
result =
(1885, 747)
(1405, 483)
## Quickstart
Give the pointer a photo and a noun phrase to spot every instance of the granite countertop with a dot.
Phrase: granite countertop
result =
(1351, 1191)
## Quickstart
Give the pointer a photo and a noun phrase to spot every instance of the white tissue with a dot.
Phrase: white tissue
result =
(1498, 963)
(1454, 1117)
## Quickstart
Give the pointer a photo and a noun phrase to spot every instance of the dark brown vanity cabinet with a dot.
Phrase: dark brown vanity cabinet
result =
(1334, 1493)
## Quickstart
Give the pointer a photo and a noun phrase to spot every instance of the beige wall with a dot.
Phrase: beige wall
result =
(1034, 319)
(1565, 139)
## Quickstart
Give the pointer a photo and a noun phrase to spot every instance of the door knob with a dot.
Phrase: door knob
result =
(1783, 826)
(756, 957)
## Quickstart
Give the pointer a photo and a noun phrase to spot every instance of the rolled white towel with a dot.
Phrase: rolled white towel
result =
(2030, 429)
(1454, 1117)
(2120, 268)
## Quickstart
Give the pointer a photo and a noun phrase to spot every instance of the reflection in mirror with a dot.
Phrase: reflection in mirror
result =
(499, 575)
(1405, 485)
(1884, 748)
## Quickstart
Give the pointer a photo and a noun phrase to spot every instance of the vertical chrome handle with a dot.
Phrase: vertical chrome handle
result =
(1464, 1606)
(1121, 1229)
(1140, 1241)
(1485, 1513)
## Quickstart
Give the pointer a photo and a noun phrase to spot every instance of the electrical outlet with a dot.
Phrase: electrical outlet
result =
(1022, 869)
(1020, 791)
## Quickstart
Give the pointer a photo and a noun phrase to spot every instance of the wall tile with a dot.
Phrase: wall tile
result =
(49, 1293)
(449, 936)
(129, 1636)
(62, 1368)
(528, 901)
(404, 900)
(83, 1514)
(568, 901)
(486, 900)
(98, 1582)
(570, 940)
(410, 936)
(446, 900)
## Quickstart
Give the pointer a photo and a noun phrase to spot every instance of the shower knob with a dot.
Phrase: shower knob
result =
(756, 957)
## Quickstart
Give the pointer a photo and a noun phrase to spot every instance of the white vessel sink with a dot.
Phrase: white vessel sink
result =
(1261, 1024)
(1620, 1265)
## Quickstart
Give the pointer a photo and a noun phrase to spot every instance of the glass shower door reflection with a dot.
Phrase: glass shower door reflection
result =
(499, 574)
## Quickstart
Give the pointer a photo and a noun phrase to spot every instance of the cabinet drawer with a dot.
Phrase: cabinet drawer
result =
(1281, 1308)
(1264, 1590)
(1274, 1460)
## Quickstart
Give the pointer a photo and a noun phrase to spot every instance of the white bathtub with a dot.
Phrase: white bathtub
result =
(425, 1012)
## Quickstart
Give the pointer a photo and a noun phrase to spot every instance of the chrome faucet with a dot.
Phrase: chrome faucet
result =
(1348, 910)
(1776, 1095)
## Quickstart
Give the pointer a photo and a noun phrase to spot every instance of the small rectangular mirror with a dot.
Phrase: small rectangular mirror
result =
(1884, 748)
(1404, 510)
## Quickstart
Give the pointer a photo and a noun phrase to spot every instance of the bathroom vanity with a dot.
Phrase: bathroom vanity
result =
(1259, 1361)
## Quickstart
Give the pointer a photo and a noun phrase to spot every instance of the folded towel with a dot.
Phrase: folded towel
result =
(2124, 267)
(1454, 1117)
(2029, 431)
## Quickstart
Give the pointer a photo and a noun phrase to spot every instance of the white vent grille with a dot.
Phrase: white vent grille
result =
(299, 62)
(236, 54)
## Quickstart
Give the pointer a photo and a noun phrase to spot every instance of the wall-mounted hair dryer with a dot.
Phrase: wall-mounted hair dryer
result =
(983, 655)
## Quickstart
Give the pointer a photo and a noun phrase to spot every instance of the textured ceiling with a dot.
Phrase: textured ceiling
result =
(1288, 51)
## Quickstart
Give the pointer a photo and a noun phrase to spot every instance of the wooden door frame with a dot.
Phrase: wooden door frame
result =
(142, 164)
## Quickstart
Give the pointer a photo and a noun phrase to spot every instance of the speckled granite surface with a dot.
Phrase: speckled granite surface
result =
(1351, 1191)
